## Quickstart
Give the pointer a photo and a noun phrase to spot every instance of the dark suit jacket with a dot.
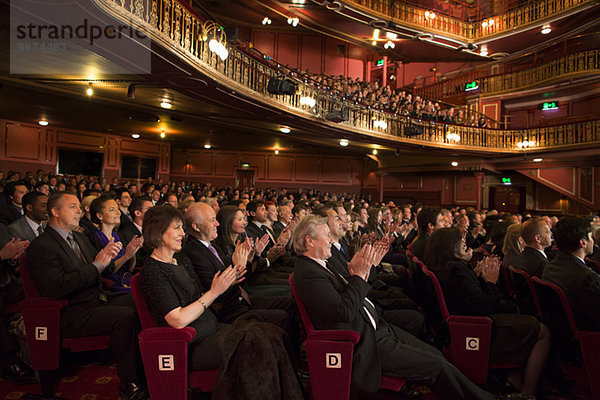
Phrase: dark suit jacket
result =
(581, 285)
(331, 304)
(57, 272)
(277, 228)
(418, 246)
(20, 229)
(9, 214)
(531, 261)
(230, 304)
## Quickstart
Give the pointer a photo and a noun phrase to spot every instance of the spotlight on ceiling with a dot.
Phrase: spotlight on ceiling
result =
(131, 91)
(166, 103)
(135, 135)
(537, 159)
(344, 142)
(207, 146)
(43, 122)
(276, 151)
(163, 134)
(546, 29)
(284, 129)
(374, 43)
(374, 152)
(454, 163)
(90, 90)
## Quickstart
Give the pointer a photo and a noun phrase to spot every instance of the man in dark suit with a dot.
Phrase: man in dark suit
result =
(201, 223)
(257, 216)
(11, 291)
(334, 302)
(537, 236)
(123, 199)
(137, 210)
(63, 264)
(428, 220)
(13, 209)
(568, 270)
(284, 217)
(30, 226)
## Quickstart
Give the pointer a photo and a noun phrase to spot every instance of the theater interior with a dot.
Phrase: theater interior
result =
(236, 92)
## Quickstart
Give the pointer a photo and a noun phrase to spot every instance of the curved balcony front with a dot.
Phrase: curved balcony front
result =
(177, 29)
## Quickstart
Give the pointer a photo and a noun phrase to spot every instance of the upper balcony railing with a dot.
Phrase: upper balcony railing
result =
(175, 27)
(572, 65)
(470, 30)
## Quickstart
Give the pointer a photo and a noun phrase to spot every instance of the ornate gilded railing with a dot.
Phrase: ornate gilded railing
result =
(531, 13)
(585, 62)
(170, 24)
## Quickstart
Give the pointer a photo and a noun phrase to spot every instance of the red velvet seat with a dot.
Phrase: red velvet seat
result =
(579, 348)
(469, 341)
(329, 354)
(165, 355)
(523, 282)
(42, 323)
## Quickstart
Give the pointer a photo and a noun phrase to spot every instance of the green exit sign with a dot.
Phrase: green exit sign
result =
(471, 86)
(245, 165)
(380, 63)
(506, 181)
(550, 105)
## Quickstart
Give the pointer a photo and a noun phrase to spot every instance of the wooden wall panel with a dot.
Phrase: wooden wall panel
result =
(311, 56)
(357, 172)
(334, 62)
(140, 148)
(179, 163)
(200, 163)
(279, 167)
(307, 169)
(547, 199)
(560, 178)
(336, 170)
(224, 164)
(466, 189)
(287, 49)
(264, 41)
(111, 153)
(81, 140)
(22, 142)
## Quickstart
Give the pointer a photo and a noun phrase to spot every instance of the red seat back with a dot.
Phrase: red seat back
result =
(146, 317)
(28, 286)
(523, 282)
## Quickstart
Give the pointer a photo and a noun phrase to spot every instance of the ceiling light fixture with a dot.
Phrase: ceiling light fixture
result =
(43, 122)
(284, 129)
(525, 144)
(135, 135)
(389, 45)
(344, 142)
(266, 21)
(453, 137)
(537, 159)
(454, 163)
(166, 103)
(207, 146)
(429, 15)
(483, 52)
(90, 90)
(374, 152)
(276, 151)
(546, 29)
(163, 134)
(293, 21)
(374, 42)
(217, 47)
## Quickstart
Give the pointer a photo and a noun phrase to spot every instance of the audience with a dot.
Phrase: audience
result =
(356, 255)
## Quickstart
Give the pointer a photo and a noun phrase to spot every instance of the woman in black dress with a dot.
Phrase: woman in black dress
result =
(174, 293)
(519, 339)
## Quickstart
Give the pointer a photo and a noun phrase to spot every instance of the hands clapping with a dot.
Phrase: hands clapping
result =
(105, 256)
(489, 269)
(13, 249)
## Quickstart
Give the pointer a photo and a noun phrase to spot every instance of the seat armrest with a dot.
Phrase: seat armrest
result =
(335, 335)
(44, 302)
(467, 319)
(168, 333)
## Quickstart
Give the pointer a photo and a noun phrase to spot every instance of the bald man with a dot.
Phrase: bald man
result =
(201, 223)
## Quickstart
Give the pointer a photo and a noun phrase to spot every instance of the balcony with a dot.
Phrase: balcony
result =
(179, 30)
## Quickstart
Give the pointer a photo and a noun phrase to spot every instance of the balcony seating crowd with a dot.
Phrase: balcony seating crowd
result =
(214, 268)
(395, 101)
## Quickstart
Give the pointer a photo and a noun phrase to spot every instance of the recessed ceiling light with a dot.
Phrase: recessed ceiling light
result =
(207, 146)
(43, 122)
(546, 29)
(162, 134)
(135, 135)
(90, 90)
(374, 152)
(284, 129)
(344, 142)
(454, 163)
(276, 151)
(537, 159)
(166, 104)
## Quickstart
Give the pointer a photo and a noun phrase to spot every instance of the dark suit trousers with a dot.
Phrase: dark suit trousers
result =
(405, 356)
(118, 319)
(12, 293)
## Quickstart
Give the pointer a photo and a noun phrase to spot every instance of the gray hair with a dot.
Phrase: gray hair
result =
(307, 226)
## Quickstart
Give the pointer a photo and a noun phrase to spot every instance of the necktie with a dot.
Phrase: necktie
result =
(268, 232)
(75, 247)
(40, 230)
(243, 292)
